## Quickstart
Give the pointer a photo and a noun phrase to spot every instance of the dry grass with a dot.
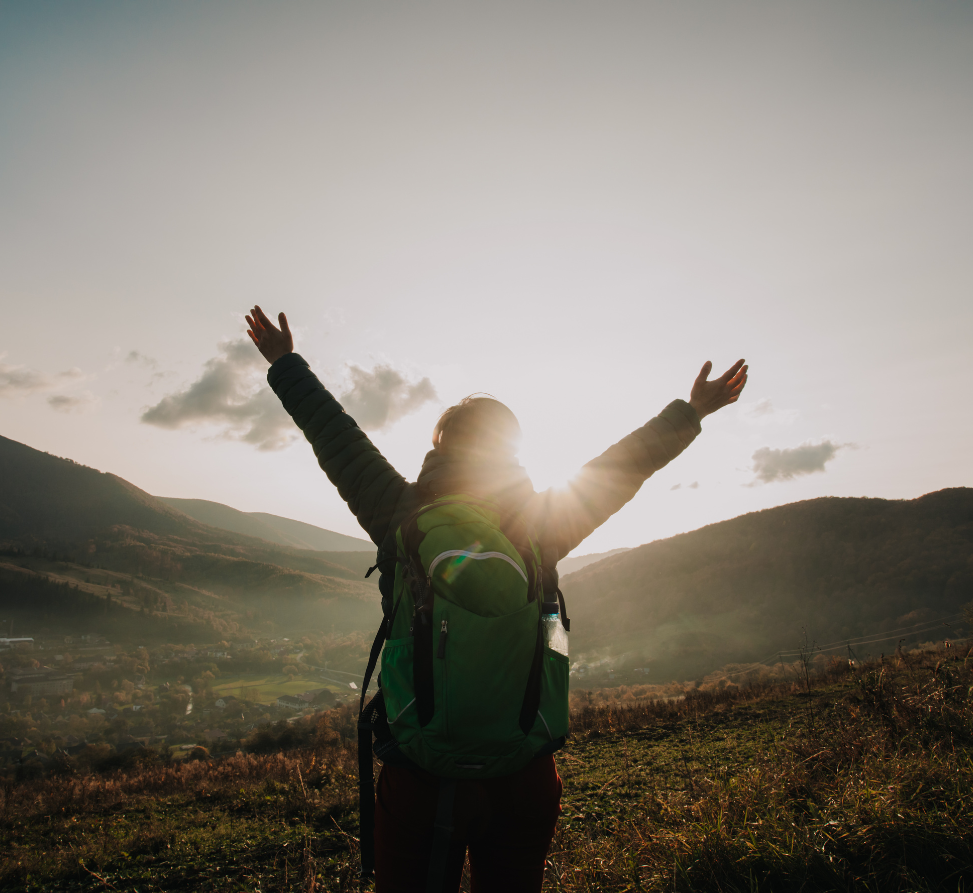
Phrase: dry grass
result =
(857, 779)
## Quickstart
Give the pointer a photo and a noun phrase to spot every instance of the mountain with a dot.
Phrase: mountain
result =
(101, 536)
(43, 497)
(272, 528)
(78, 543)
(571, 564)
(743, 589)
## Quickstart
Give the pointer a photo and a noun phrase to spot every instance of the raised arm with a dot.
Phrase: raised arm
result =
(364, 478)
(605, 484)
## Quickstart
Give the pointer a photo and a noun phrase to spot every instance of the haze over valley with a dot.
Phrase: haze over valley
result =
(85, 547)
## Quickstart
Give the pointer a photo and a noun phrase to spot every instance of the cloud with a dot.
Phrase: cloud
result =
(675, 486)
(232, 394)
(694, 485)
(763, 413)
(72, 403)
(755, 410)
(379, 398)
(771, 465)
(20, 381)
(134, 356)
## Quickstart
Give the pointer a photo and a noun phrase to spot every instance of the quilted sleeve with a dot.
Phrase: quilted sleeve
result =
(364, 478)
(565, 517)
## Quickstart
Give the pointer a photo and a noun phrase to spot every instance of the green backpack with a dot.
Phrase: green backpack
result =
(468, 687)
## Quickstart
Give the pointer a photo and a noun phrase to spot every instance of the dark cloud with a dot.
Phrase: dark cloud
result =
(379, 398)
(19, 380)
(72, 402)
(771, 465)
(233, 394)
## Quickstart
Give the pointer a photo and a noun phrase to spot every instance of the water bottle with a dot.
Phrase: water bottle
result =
(555, 635)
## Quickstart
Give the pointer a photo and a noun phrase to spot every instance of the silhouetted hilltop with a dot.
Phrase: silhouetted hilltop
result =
(49, 498)
(735, 591)
(575, 562)
(272, 528)
(742, 589)
(74, 525)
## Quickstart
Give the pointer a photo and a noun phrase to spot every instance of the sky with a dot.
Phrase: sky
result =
(570, 206)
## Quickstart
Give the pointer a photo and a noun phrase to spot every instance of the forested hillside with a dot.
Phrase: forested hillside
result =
(732, 592)
(71, 524)
(742, 589)
(46, 498)
(272, 528)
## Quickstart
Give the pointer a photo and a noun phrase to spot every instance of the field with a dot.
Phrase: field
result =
(263, 688)
(860, 779)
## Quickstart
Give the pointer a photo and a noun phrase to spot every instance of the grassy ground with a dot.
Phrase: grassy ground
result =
(264, 689)
(862, 780)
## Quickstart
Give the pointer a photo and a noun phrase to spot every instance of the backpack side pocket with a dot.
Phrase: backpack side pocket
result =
(397, 684)
(552, 715)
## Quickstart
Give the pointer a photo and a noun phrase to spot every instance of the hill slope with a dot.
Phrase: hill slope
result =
(742, 589)
(48, 498)
(272, 528)
(574, 563)
(71, 524)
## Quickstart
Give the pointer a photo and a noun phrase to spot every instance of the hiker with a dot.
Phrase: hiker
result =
(472, 700)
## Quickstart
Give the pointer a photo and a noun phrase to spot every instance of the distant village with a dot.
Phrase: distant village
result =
(85, 699)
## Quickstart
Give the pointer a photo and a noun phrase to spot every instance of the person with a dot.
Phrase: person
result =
(506, 823)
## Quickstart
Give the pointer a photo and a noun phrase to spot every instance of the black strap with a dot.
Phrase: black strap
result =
(564, 611)
(442, 833)
(377, 644)
(383, 634)
(422, 672)
(367, 716)
(366, 784)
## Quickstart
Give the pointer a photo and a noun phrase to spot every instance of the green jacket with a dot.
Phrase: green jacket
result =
(381, 498)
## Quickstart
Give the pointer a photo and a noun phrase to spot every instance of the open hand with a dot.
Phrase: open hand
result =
(709, 396)
(272, 342)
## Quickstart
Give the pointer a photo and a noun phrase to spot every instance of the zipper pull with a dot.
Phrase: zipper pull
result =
(442, 641)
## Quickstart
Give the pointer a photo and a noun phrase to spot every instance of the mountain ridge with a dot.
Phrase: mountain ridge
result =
(65, 521)
(679, 607)
(732, 591)
(273, 528)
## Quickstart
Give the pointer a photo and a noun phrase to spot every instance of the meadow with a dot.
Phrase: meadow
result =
(854, 779)
(264, 688)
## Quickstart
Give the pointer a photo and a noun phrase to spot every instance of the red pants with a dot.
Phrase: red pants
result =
(507, 823)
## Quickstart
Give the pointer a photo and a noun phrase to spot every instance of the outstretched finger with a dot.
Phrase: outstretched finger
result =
(253, 338)
(736, 367)
(704, 372)
(740, 376)
(264, 320)
(255, 327)
(737, 387)
(282, 319)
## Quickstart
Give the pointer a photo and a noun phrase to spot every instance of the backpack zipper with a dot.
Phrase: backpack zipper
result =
(441, 652)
